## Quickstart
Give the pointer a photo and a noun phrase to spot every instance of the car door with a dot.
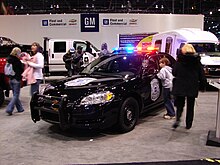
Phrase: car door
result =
(151, 92)
(56, 51)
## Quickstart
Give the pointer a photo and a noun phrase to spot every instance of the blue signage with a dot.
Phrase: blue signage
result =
(105, 22)
(45, 23)
(89, 22)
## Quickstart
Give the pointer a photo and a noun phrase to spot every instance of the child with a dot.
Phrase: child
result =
(166, 77)
(28, 70)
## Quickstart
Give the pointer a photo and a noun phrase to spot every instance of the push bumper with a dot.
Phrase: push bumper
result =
(57, 108)
(60, 112)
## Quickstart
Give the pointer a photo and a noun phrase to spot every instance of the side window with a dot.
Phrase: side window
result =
(152, 66)
(82, 44)
(178, 50)
(158, 44)
(172, 60)
(181, 45)
(60, 47)
(169, 42)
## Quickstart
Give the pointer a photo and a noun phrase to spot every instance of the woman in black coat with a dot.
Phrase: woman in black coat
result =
(188, 78)
(15, 81)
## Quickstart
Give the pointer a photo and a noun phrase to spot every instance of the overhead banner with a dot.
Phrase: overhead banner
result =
(60, 22)
(89, 22)
(119, 22)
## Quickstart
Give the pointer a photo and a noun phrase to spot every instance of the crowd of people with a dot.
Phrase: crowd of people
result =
(73, 60)
(179, 84)
(76, 60)
(29, 67)
(26, 67)
(182, 83)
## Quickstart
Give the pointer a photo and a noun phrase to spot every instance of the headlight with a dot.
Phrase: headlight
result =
(98, 98)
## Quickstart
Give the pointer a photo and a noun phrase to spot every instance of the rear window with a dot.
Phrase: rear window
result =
(60, 47)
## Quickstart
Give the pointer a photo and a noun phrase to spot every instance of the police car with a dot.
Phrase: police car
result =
(114, 89)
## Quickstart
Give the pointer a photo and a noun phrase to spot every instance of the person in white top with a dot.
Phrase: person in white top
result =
(165, 74)
(36, 50)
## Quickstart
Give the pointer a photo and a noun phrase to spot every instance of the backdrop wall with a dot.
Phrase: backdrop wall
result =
(26, 29)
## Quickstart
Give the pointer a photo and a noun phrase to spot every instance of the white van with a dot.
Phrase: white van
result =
(54, 49)
(205, 43)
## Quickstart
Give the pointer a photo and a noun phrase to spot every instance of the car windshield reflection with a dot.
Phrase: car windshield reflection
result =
(119, 65)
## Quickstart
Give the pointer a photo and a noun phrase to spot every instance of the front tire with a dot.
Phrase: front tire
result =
(128, 115)
(2, 96)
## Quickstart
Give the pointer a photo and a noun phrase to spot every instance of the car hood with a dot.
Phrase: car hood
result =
(79, 86)
(96, 81)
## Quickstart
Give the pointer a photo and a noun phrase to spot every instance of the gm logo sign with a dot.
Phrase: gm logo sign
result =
(44, 22)
(89, 22)
(105, 21)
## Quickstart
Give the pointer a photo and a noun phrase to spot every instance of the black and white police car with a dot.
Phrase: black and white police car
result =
(114, 89)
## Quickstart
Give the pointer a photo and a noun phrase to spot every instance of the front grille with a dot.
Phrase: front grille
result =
(49, 103)
(50, 116)
(89, 121)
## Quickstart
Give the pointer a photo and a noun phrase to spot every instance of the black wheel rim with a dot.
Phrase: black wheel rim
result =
(129, 116)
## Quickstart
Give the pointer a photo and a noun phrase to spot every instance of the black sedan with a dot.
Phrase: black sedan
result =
(112, 90)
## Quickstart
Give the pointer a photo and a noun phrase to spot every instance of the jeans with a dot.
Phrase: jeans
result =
(35, 87)
(180, 103)
(168, 102)
(15, 86)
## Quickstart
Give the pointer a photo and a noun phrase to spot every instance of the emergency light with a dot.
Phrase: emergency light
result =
(131, 49)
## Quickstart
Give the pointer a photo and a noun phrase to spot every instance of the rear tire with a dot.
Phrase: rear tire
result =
(2, 96)
(128, 115)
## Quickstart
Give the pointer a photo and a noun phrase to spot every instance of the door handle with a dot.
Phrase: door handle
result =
(52, 55)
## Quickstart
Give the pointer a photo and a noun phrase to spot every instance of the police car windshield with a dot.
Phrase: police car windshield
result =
(87, 69)
(117, 65)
